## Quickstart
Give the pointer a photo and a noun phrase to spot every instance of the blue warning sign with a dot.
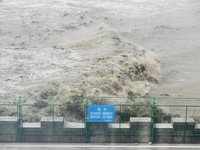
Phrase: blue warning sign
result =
(101, 113)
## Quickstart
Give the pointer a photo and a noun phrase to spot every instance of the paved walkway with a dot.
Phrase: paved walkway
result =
(96, 147)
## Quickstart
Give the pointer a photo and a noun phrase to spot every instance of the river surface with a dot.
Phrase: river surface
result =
(168, 28)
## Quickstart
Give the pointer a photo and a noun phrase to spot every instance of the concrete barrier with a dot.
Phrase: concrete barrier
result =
(9, 129)
(137, 130)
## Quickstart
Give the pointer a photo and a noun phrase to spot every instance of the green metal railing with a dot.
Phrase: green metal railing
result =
(75, 109)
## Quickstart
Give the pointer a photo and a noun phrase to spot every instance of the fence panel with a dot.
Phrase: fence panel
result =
(51, 119)
(65, 119)
(123, 130)
(9, 111)
(175, 119)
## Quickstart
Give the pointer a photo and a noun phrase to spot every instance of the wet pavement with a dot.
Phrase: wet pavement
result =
(97, 147)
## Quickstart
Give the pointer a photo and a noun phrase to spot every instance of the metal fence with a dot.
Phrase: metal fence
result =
(75, 109)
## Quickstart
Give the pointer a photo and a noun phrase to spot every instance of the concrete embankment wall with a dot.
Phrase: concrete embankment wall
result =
(137, 130)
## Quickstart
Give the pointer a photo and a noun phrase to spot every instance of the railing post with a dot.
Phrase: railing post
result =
(152, 118)
(185, 128)
(120, 117)
(53, 119)
(19, 115)
(86, 123)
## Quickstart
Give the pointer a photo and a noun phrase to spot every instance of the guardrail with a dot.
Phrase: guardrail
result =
(64, 119)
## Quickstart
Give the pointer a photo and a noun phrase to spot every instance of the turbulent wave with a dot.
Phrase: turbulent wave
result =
(74, 52)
